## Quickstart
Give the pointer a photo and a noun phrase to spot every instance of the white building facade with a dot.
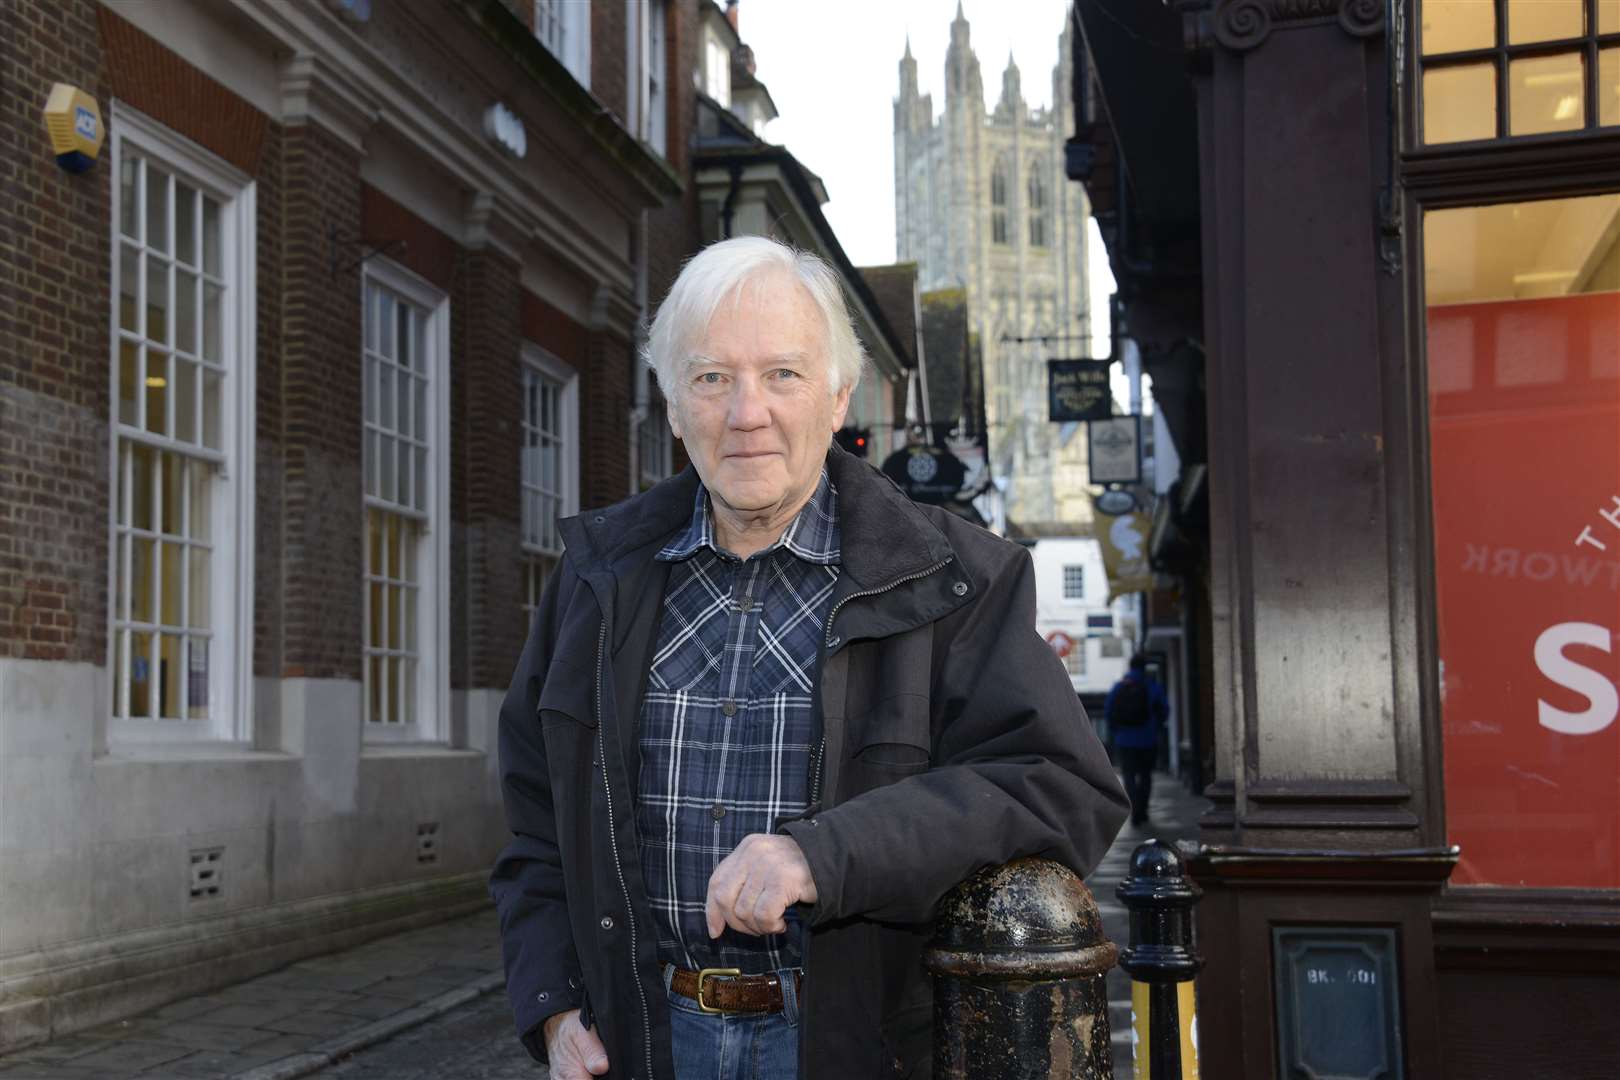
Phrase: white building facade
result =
(1095, 638)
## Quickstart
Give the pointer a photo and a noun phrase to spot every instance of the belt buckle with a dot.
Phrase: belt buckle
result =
(704, 976)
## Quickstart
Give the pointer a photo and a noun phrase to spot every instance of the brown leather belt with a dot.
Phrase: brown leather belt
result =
(725, 990)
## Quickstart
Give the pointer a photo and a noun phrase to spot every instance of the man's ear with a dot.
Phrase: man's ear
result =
(840, 406)
(673, 413)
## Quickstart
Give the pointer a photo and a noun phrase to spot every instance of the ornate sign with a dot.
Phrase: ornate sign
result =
(926, 474)
(1078, 390)
(1116, 450)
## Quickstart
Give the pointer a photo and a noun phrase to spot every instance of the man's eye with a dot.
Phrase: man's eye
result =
(787, 373)
(709, 377)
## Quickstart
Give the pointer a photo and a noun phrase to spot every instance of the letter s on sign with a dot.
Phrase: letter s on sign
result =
(1565, 672)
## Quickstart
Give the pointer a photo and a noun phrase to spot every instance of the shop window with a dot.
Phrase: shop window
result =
(998, 202)
(406, 551)
(1523, 383)
(181, 419)
(1548, 69)
(549, 464)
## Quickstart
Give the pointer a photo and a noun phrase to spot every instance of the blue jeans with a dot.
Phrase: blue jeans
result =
(751, 1046)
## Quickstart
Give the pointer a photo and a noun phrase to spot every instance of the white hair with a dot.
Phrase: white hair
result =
(719, 271)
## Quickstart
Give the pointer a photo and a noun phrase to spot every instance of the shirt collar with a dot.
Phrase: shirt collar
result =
(813, 534)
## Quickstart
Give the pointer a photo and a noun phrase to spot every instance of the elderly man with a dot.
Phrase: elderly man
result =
(768, 713)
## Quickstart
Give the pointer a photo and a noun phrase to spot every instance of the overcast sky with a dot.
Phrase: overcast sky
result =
(832, 67)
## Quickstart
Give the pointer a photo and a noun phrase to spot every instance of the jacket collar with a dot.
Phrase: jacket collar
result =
(884, 535)
(812, 535)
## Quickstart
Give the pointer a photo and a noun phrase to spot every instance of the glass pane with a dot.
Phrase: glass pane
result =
(387, 486)
(200, 589)
(173, 494)
(1455, 25)
(210, 236)
(370, 304)
(120, 674)
(1459, 103)
(157, 300)
(1608, 16)
(370, 390)
(197, 680)
(129, 218)
(140, 674)
(121, 580)
(185, 224)
(185, 400)
(408, 618)
(385, 323)
(185, 311)
(172, 577)
(202, 504)
(397, 535)
(405, 486)
(169, 676)
(129, 377)
(129, 288)
(402, 412)
(374, 633)
(1523, 365)
(1608, 87)
(390, 668)
(212, 332)
(141, 606)
(373, 452)
(421, 427)
(213, 384)
(141, 476)
(391, 617)
(374, 689)
(1545, 20)
(407, 691)
(157, 392)
(157, 209)
(1547, 94)
(423, 481)
(374, 532)
(385, 397)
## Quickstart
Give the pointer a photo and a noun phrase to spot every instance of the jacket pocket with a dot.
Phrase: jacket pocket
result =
(893, 738)
(568, 694)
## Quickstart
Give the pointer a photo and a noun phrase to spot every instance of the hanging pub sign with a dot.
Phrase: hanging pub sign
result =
(1116, 450)
(1078, 390)
(927, 474)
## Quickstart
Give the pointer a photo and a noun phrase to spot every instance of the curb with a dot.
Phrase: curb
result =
(325, 1053)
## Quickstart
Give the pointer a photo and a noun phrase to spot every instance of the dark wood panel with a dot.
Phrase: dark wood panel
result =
(1505, 1024)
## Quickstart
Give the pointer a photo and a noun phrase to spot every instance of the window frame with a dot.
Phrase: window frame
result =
(431, 724)
(647, 72)
(232, 518)
(536, 361)
(574, 23)
(1077, 595)
(1442, 176)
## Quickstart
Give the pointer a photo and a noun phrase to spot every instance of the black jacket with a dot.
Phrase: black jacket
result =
(951, 740)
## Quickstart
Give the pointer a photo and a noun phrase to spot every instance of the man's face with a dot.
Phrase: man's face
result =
(754, 409)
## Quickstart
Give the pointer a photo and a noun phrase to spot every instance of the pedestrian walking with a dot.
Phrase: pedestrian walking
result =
(1135, 708)
(768, 713)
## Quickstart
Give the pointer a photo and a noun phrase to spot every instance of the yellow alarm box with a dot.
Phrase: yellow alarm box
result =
(74, 122)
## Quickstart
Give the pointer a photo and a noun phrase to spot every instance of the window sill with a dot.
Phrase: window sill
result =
(135, 753)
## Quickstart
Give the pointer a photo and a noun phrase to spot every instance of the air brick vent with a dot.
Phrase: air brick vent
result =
(427, 842)
(206, 871)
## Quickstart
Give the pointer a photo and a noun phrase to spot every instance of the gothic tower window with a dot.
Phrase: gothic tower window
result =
(998, 202)
(1037, 207)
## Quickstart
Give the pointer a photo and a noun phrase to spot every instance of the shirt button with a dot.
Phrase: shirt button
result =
(729, 708)
(607, 922)
(717, 811)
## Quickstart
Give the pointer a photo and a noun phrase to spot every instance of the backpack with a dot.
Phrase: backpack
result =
(1132, 705)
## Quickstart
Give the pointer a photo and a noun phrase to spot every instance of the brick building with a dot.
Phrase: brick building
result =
(294, 386)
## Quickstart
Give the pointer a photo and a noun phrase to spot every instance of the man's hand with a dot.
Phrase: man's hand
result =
(753, 887)
(575, 1052)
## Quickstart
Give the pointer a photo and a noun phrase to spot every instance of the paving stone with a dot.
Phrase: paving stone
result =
(185, 1009)
(197, 1035)
(252, 1014)
(314, 1023)
(126, 1057)
(370, 1008)
(60, 1050)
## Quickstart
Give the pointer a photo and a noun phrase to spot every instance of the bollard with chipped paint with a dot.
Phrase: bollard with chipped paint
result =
(1019, 959)
(1162, 962)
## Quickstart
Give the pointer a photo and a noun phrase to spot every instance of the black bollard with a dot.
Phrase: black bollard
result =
(1161, 962)
(1018, 959)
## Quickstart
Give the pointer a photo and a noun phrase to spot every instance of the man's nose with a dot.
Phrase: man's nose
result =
(748, 408)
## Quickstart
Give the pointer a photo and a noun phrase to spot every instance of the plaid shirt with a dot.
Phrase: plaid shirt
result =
(728, 720)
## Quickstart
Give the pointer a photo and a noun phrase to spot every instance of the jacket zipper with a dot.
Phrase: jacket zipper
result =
(613, 842)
